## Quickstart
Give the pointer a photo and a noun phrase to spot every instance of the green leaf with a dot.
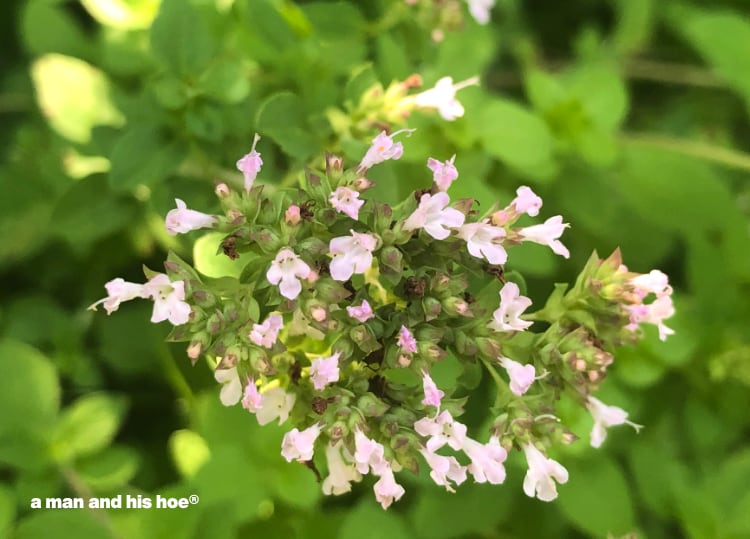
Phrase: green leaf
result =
(226, 80)
(607, 106)
(282, 117)
(142, 157)
(635, 23)
(189, 451)
(7, 510)
(369, 521)
(109, 470)
(181, 38)
(516, 136)
(46, 28)
(125, 14)
(638, 368)
(71, 524)
(87, 426)
(211, 262)
(596, 498)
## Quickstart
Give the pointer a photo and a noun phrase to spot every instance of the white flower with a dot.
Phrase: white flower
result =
(383, 148)
(484, 240)
(368, 454)
(521, 376)
(548, 234)
(288, 268)
(480, 10)
(387, 490)
(442, 430)
(443, 97)
(486, 460)
(346, 201)
(444, 469)
(605, 417)
(542, 474)
(119, 290)
(433, 216)
(298, 445)
(527, 201)
(512, 305)
(341, 474)
(169, 300)
(275, 404)
(351, 254)
(231, 390)
(182, 219)
(443, 174)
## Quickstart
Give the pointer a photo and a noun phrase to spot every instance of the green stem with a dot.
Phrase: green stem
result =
(718, 154)
(502, 386)
(175, 377)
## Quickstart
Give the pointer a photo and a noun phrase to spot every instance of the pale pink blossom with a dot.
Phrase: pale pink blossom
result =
(486, 460)
(351, 254)
(406, 340)
(512, 305)
(443, 173)
(480, 10)
(231, 390)
(300, 446)
(654, 313)
(288, 269)
(250, 164)
(654, 282)
(252, 401)
(604, 417)
(324, 371)
(169, 300)
(346, 201)
(526, 201)
(118, 291)
(443, 470)
(547, 234)
(267, 333)
(387, 490)
(292, 215)
(542, 474)
(182, 220)
(383, 148)
(361, 313)
(369, 455)
(521, 376)
(432, 395)
(434, 217)
(442, 430)
(275, 404)
(341, 470)
(443, 97)
(484, 240)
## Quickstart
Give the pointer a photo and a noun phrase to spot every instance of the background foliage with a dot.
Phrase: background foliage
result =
(629, 117)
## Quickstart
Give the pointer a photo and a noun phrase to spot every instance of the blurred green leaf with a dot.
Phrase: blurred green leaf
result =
(70, 524)
(142, 157)
(181, 38)
(368, 521)
(635, 23)
(226, 80)
(281, 117)
(189, 451)
(46, 27)
(211, 262)
(109, 470)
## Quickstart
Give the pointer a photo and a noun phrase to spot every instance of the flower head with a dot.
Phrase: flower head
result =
(484, 240)
(521, 376)
(443, 97)
(325, 370)
(383, 148)
(288, 269)
(443, 174)
(298, 445)
(231, 390)
(433, 216)
(250, 164)
(182, 219)
(526, 201)
(275, 404)
(542, 474)
(351, 254)
(169, 300)
(346, 201)
(604, 417)
(442, 430)
(361, 313)
(486, 460)
(548, 234)
(267, 333)
(512, 305)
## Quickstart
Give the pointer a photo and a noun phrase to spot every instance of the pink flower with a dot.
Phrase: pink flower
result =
(433, 216)
(605, 417)
(341, 473)
(484, 241)
(292, 215)
(346, 201)
(432, 395)
(361, 313)
(252, 401)
(231, 390)
(267, 333)
(351, 254)
(541, 473)
(288, 269)
(480, 10)
(119, 290)
(182, 220)
(655, 282)
(250, 165)
(443, 174)
(548, 234)
(654, 313)
(406, 340)
(443, 97)
(512, 306)
(527, 201)
(486, 460)
(444, 469)
(441, 430)
(169, 300)
(275, 404)
(383, 148)
(368, 455)
(521, 376)
(325, 370)
(300, 446)
(387, 490)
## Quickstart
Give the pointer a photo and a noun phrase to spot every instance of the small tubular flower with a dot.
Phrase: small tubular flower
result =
(231, 390)
(512, 305)
(369, 455)
(361, 313)
(521, 376)
(118, 291)
(548, 234)
(287, 268)
(387, 490)
(443, 470)
(406, 340)
(383, 148)
(250, 164)
(252, 400)
(325, 370)
(341, 474)
(300, 446)
(169, 300)
(526, 201)
(542, 474)
(443, 97)
(351, 254)
(432, 395)
(267, 333)
(276, 404)
(182, 220)
(345, 200)
(443, 173)
(486, 460)
(442, 430)
(434, 217)
(604, 417)
(484, 240)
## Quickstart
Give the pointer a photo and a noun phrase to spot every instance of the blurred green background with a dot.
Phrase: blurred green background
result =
(629, 117)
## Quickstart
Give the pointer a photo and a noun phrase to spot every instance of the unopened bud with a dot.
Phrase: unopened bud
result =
(204, 298)
(457, 307)
(215, 323)
(431, 307)
(391, 258)
(337, 431)
(222, 190)
(500, 218)
(372, 406)
(194, 351)
(330, 291)
(292, 215)
(362, 184)
(403, 360)
(488, 347)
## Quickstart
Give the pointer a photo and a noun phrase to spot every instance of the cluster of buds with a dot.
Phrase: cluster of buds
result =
(344, 305)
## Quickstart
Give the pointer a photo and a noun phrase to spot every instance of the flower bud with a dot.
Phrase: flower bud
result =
(222, 190)
(337, 431)
(292, 215)
(391, 258)
(267, 239)
(344, 346)
(457, 307)
(195, 350)
(215, 323)
(362, 184)
(204, 298)
(372, 406)
(408, 461)
(364, 338)
(465, 345)
(429, 333)
(431, 307)
(331, 291)
(488, 347)
(403, 360)
(259, 361)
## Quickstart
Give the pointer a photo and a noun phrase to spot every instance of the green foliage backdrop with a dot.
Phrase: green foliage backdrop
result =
(629, 117)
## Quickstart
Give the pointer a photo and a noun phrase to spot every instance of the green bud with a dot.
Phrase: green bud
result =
(259, 361)
(215, 323)
(429, 333)
(456, 306)
(489, 348)
(391, 257)
(330, 291)
(408, 461)
(267, 239)
(364, 339)
(204, 298)
(431, 307)
(440, 284)
(372, 406)
(337, 431)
